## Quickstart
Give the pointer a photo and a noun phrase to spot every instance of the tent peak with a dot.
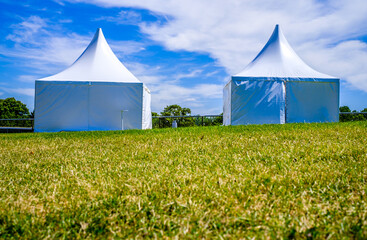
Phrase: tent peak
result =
(99, 31)
(97, 63)
(278, 59)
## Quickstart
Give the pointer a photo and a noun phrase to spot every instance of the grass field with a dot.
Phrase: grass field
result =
(270, 181)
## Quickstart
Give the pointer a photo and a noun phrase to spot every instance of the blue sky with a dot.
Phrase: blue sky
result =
(184, 51)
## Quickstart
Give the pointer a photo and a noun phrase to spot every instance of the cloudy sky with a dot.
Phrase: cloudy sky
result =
(183, 50)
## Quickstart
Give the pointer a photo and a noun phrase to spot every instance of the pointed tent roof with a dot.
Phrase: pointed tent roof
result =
(278, 59)
(97, 63)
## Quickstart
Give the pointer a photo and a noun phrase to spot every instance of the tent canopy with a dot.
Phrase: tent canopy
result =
(97, 64)
(278, 60)
(278, 87)
(96, 92)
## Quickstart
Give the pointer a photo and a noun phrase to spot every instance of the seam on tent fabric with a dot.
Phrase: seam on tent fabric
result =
(230, 80)
(142, 107)
(88, 104)
(34, 108)
(230, 106)
(285, 102)
(234, 78)
(146, 88)
(88, 83)
(338, 101)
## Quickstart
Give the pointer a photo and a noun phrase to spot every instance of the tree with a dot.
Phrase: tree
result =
(350, 117)
(217, 121)
(364, 115)
(177, 110)
(210, 121)
(155, 121)
(11, 108)
(344, 109)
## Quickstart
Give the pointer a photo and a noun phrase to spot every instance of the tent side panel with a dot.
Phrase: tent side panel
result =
(115, 106)
(147, 112)
(227, 104)
(257, 102)
(312, 101)
(60, 107)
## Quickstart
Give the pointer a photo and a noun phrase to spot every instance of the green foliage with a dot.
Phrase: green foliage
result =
(176, 110)
(155, 121)
(299, 181)
(209, 121)
(10, 108)
(214, 121)
(344, 109)
(351, 117)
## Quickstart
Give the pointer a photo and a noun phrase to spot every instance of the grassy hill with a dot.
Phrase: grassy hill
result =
(270, 181)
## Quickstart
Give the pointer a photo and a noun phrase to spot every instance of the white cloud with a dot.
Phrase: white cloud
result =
(21, 91)
(234, 31)
(191, 74)
(166, 89)
(125, 48)
(124, 17)
(27, 78)
(50, 51)
(25, 31)
(346, 60)
(194, 97)
(324, 33)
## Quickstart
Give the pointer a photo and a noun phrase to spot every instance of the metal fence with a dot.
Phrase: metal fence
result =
(16, 125)
(352, 116)
(187, 121)
(27, 124)
(352, 113)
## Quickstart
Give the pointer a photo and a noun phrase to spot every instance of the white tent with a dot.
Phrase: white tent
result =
(278, 87)
(96, 92)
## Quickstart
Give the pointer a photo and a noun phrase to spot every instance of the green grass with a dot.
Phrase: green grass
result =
(272, 181)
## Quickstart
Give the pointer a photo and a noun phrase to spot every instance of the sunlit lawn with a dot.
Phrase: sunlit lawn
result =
(269, 181)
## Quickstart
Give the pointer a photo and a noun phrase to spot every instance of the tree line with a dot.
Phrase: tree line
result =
(177, 110)
(10, 108)
(351, 117)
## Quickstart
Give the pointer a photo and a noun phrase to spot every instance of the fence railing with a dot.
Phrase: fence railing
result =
(27, 124)
(187, 121)
(353, 113)
(352, 116)
(17, 125)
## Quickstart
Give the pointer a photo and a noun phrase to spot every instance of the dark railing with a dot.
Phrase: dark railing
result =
(15, 119)
(27, 124)
(17, 125)
(187, 121)
(211, 120)
(352, 116)
(353, 113)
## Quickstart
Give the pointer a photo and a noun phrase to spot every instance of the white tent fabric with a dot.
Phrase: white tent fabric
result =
(278, 87)
(96, 92)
